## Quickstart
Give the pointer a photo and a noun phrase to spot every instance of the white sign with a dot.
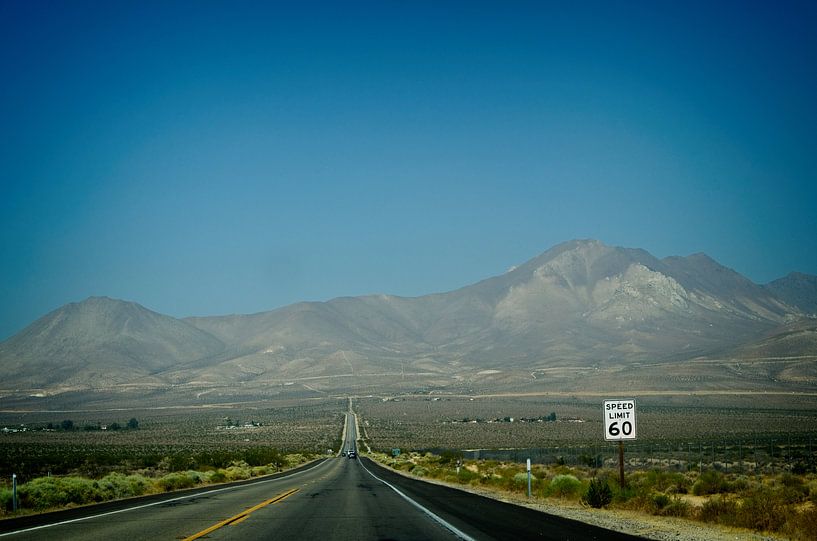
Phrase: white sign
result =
(619, 419)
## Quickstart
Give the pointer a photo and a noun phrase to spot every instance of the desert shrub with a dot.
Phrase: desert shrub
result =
(261, 470)
(659, 503)
(565, 485)
(262, 456)
(762, 509)
(46, 492)
(710, 482)
(623, 494)
(719, 510)
(740, 483)
(419, 471)
(598, 493)
(793, 488)
(139, 484)
(175, 481)
(676, 508)
(117, 485)
(217, 476)
(5, 499)
(660, 500)
(237, 471)
(666, 482)
(467, 476)
(790, 480)
(521, 479)
(294, 459)
(801, 525)
(196, 476)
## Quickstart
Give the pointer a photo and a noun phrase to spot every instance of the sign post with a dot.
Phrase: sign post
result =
(619, 425)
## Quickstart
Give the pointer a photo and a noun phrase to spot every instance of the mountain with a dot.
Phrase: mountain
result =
(99, 342)
(798, 290)
(581, 304)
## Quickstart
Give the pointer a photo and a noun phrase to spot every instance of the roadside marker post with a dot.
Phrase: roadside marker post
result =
(619, 425)
(14, 492)
(528, 478)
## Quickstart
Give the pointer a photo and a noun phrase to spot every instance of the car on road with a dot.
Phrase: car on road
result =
(352, 454)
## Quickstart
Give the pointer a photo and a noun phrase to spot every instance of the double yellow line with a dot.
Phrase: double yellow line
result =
(242, 516)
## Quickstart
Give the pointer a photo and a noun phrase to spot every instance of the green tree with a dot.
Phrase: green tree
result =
(67, 424)
(133, 423)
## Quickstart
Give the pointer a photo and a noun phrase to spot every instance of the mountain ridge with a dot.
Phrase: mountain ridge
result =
(580, 303)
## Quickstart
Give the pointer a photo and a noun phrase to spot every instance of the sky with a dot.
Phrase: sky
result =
(208, 158)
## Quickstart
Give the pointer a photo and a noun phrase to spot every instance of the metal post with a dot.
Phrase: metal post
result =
(621, 463)
(14, 492)
(528, 478)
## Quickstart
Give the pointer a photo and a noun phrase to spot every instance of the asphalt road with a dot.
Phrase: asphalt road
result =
(340, 498)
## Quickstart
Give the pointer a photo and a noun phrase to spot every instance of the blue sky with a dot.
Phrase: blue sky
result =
(234, 157)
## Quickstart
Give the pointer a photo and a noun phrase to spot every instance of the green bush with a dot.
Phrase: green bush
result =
(175, 481)
(667, 482)
(719, 510)
(46, 492)
(565, 486)
(763, 510)
(467, 476)
(5, 499)
(217, 476)
(676, 508)
(237, 472)
(598, 494)
(660, 501)
(801, 525)
(521, 479)
(710, 482)
(117, 485)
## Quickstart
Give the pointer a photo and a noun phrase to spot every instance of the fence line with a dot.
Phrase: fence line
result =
(747, 456)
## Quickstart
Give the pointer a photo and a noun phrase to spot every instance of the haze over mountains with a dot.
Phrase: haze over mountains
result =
(579, 308)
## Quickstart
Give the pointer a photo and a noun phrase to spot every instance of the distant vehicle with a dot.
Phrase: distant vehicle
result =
(352, 454)
(343, 453)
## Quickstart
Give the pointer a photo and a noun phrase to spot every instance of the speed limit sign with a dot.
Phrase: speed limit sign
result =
(619, 419)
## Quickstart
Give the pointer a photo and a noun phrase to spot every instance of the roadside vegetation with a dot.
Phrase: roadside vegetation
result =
(784, 504)
(43, 493)
(61, 461)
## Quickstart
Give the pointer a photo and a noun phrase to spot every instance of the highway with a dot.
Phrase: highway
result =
(338, 498)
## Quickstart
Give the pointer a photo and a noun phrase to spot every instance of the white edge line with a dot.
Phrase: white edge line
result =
(445, 524)
(187, 497)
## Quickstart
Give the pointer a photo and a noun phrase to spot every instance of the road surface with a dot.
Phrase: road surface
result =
(338, 498)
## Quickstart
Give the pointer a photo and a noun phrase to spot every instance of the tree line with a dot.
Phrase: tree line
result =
(69, 425)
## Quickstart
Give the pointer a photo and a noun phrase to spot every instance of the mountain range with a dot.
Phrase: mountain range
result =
(580, 306)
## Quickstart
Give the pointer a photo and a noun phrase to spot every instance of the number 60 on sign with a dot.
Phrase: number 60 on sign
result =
(619, 419)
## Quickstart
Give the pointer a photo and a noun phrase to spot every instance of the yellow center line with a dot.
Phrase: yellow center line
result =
(242, 516)
(240, 520)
